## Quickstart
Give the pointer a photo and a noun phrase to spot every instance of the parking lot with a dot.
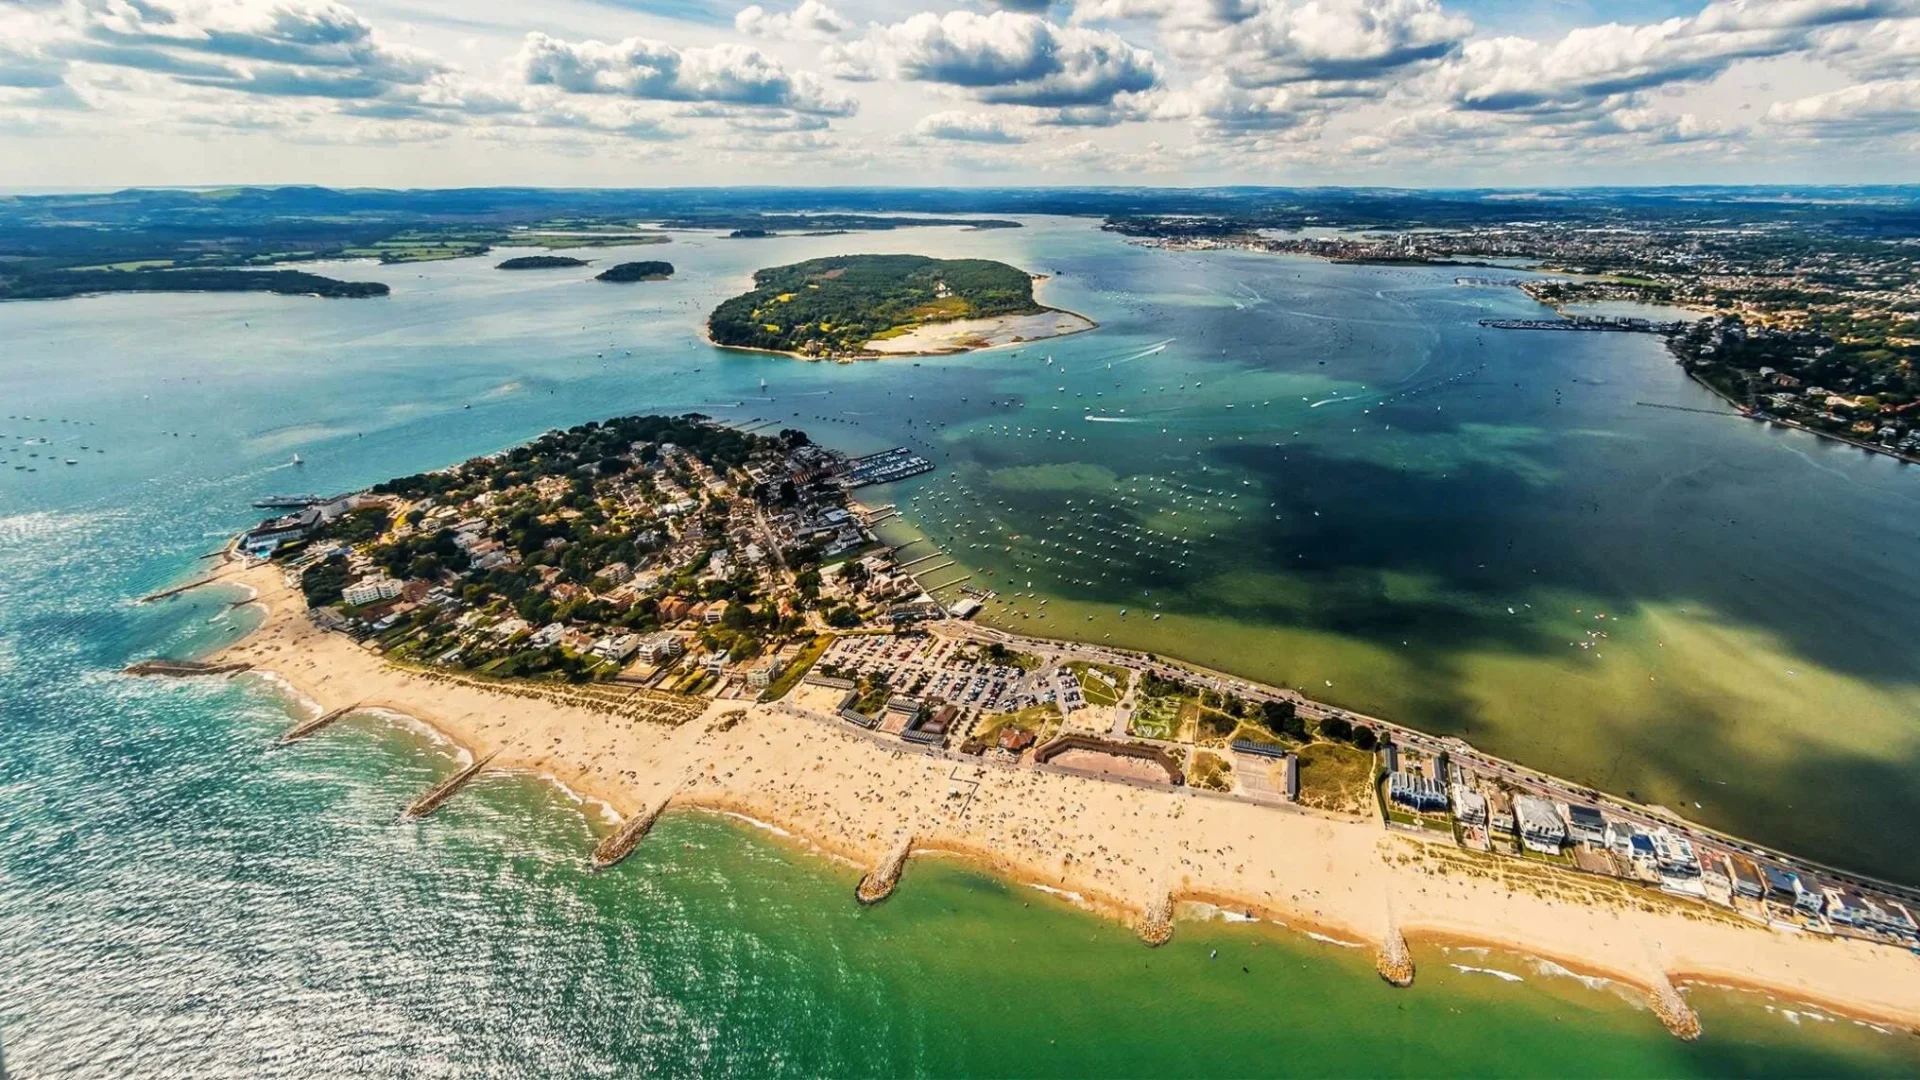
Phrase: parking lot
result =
(934, 668)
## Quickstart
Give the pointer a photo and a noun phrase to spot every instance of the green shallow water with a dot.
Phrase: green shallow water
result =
(178, 900)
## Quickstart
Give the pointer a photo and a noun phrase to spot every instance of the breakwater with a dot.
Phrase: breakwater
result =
(307, 727)
(631, 831)
(879, 883)
(445, 789)
(182, 669)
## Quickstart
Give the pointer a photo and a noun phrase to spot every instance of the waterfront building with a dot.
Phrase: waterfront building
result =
(370, 591)
(1541, 828)
(1746, 879)
(616, 647)
(1715, 875)
(1586, 825)
(660, 648)
(1469, 806)
(1416, 791)
(1807, 895)
(1782, 886)
(269, 535)
(714, 613)
(1674, 854)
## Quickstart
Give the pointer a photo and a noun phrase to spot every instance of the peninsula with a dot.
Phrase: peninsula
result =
(540, 262)
(59, 284)
(864, 306)
(662, 612)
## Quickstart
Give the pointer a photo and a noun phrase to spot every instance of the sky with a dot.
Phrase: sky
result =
(639, 93)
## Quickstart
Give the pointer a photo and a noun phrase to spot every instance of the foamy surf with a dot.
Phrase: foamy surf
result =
(1507, 976)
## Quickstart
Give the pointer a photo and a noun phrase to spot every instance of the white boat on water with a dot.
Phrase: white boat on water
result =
(296, 460)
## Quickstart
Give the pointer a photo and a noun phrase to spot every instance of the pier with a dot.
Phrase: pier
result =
(923, 558)
(880, 882)
(947, 584)
(307, 727)
(178, 589)
(182, 669)
(631, 831)
(445, 789)
(931, 569)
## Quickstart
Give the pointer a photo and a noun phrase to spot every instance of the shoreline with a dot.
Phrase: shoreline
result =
(706, 338)
(853, 799)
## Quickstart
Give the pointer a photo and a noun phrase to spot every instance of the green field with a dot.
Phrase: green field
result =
(1096, 690)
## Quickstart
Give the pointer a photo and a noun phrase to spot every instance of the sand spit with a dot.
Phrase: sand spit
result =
(963, 335)
(1129, 852)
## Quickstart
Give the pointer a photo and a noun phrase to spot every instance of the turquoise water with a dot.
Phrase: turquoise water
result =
(178, 900)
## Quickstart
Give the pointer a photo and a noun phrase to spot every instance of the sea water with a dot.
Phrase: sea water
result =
(177, 897)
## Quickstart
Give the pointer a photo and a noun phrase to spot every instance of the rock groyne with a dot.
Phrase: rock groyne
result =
(1156, 924)
(444, 790)
(182, 669)
(621, 843)
(1673, 1010)
(1393, 960)
(881, 880)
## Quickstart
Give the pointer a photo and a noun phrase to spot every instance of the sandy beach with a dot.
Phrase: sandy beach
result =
(1124, 849)
(963, 335)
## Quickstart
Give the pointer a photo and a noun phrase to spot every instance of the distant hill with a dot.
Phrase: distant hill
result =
(540, 262)
(636, 271)
(834, 306)
(56, 284)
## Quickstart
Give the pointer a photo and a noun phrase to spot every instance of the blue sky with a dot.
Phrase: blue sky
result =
(645, 92)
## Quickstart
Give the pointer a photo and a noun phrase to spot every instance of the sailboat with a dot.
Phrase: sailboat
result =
(296, 459)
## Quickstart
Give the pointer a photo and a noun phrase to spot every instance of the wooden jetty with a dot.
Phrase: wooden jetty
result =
(445, 789)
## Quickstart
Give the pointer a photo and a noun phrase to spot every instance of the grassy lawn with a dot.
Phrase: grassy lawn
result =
(1334, 776)
(1039, 720)
(1099, 691)
(1210, 772)
(802, 663)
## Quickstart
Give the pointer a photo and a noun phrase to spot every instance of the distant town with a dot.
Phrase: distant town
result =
(1810, 327)
(655, 565)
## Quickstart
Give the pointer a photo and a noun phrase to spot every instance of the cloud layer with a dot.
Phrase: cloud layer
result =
(1188, 90)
